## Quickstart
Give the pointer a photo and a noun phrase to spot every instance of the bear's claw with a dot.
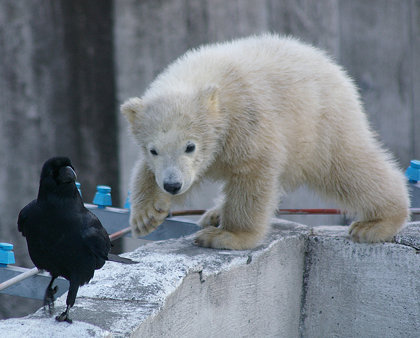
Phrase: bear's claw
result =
(210, 218)
(150, 216)
(374, 231)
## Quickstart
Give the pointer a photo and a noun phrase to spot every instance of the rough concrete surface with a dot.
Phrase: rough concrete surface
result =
(361, 290)
(301, 282)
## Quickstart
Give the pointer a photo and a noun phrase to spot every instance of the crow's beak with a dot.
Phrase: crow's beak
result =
(66, 175)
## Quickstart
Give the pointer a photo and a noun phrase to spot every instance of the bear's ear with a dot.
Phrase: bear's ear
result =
(131, 109)
(210, 95)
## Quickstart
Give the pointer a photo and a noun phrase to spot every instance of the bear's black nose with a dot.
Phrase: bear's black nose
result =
(172, 188)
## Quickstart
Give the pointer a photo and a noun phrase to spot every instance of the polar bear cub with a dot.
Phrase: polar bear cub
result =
(263, 115)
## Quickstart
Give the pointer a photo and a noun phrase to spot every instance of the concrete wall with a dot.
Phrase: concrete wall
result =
(57, 97)
(300, 282)
(353, 290)
(260, 297)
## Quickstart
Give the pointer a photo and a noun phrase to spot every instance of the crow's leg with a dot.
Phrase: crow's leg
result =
(49, 296)
(71, 298)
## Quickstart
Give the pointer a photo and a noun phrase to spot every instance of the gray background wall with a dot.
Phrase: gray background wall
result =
(65, 66)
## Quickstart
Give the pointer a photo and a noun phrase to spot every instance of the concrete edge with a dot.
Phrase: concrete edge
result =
(127, 300)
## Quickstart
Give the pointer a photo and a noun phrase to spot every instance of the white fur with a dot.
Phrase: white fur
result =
(266, 114)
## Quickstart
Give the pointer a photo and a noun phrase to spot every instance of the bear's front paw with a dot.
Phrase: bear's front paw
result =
(148, 217)
(218, 238)
(212, 237)
(210, 218)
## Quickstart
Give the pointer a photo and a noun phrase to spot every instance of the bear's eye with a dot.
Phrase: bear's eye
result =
(190, 148)
(153, 152)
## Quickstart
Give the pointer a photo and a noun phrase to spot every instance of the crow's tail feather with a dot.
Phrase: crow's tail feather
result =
(118, 259)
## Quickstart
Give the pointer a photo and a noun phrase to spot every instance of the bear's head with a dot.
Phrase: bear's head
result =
(178, 132)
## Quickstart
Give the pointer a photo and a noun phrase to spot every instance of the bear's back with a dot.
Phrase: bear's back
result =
(253, 60)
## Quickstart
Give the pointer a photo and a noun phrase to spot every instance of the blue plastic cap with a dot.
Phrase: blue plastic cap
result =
(415, 164)
(413, 171)
(103, 196)
(6, 246)
(127, 204)
(6, 254)
(78, 188)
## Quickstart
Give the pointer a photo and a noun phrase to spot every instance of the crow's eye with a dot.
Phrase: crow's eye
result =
(54, 173)
(153, 152)
(190, 148)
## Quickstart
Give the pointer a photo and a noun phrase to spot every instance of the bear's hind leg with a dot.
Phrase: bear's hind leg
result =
(374, 190)
(212, 217)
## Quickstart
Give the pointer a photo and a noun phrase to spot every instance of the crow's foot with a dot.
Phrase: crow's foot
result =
(64, 317)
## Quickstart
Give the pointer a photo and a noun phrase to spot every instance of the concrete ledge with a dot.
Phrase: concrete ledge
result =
(361, 290)
(301, 281)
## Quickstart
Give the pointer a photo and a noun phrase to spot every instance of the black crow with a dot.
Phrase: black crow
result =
(64, 238)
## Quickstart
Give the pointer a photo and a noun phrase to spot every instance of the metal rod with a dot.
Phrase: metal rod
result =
(19, 278)
(415, 211)
(281, 212)
(308, 211)
(119, 234)
(198, 212)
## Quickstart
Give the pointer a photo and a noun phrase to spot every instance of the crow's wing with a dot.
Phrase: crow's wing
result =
(23, 215)
(95, 238)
